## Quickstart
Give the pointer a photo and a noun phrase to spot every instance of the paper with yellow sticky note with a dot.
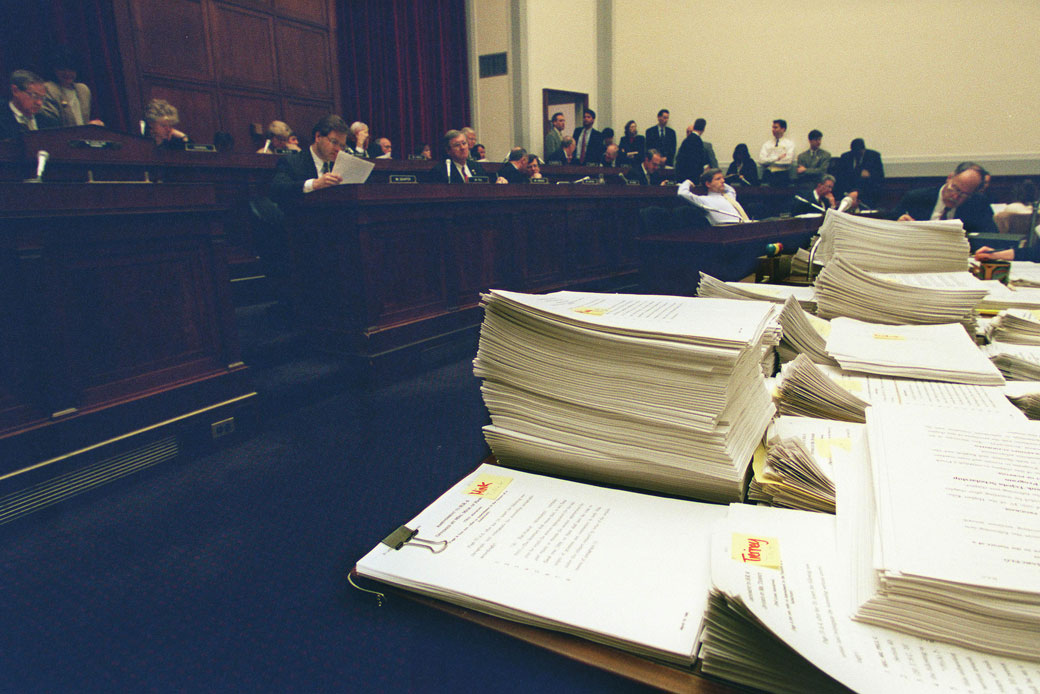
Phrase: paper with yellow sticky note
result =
(487, 486)
(758, 550)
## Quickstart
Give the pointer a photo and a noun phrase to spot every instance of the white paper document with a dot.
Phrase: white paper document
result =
(352, 169)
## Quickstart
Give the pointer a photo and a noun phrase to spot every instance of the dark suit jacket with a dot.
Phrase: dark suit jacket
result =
(690, 161)
(636, 173)
(975, 212)
(512, 174)
(290, 173)
(666, 146)
(636, 145)
(748, 169)
(593, 148)
(9, 126)
(560, 157)
(850, 178)
(443, 173)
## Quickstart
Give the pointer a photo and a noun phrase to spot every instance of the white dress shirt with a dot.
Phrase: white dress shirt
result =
(777, 155)
(715, 205)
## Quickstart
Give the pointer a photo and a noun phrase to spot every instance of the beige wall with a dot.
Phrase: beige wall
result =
(492, 107)
(925, 82)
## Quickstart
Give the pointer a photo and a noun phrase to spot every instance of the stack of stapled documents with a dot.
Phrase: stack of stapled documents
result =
(880, 245)
(655, 392)
(713, 288)
(1016, 362)
(1016, 325)
(803, 334)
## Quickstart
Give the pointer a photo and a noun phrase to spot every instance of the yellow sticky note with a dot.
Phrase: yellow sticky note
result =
(1036, 314)
(826, 446)
(823, 327)
(888, 336)
(488, 486)
(755, 549)
(590, 311)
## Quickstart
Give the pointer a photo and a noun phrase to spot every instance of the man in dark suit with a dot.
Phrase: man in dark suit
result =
(816, 200)
(27, 97)
(956, 199)
(662, 138)
(691, 160)
(308, 170)
(515, 168)
(644, 174)
(565, 154)
(859, 169)
(610, 157)
(456, 168)
(589, 140)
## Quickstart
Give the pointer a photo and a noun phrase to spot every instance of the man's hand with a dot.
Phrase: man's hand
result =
(864, 173)
(829, 197)
(905, 218)
(987, 253)
(801, 169)
(327, 180)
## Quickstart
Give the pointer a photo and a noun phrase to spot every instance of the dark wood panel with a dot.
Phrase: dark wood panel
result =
(238, 113)
(302, 115)
(244, 44)
(304, 65)
(316, 11)
(171, 39)
(196, 107)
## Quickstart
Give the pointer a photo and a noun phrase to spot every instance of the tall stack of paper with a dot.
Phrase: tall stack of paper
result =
(959, 553)
(626, 569)
(815, 390)
(1017, 326)
(778, 616)
(923, 352)
(654, 392)
(798, 470)
(1016, 362)
(843, 289)
(800, 262)
(803, 334)
(1024, 274)
(712, 288)
(880, 245)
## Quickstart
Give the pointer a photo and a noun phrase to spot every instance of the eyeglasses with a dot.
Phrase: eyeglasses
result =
(958, 192)
(459, 145)
(35, 96)
(335, 141)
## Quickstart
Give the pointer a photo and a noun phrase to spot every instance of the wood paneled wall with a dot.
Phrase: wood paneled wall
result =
(227, 65)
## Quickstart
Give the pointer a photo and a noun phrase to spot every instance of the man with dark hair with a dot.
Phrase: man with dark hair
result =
(720, 204)
(690, 160)
(456, 167)
(565, 154)
(812, 163)
(817, 200)
(955, 199)
(554, 138)
(777, 156)
(589, 140)
(27, 96)
(515, 168)
(308, 170)
(662, 138)
(644, 173)
(709, 152)
(859, 169)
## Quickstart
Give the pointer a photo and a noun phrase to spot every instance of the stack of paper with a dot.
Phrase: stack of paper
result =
(655, 392)
(1025, 395)
(798, 470)
(778, 616)
(923, 352)
(845, 290)
(1001, 297)
(626, 569)
(1017, 326)
(815, 390)
(1024, 274)
(803, 334)
(880, 245)
(1016, 362)
(712, 288)
(800, 262)
(959, 550)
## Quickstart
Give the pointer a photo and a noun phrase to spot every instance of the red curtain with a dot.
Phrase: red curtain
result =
(88, 27)
(403, 68)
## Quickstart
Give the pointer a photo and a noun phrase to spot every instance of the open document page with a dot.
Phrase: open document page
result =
(778, 576)
(352, 169)
(625, 569)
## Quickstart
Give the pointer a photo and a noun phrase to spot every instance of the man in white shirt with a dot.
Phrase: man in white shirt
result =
(777, 156)
(720, 204)
(303, 172)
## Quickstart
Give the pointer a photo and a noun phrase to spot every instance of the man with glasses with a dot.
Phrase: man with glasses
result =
(303, 172)
(956, 199)
(456, 167)
(27, 95)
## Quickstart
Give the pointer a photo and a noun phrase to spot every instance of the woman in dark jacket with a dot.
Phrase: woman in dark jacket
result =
(744, 170)
(632, 145)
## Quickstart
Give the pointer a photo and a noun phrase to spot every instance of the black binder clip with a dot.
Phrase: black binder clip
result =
(406, 537)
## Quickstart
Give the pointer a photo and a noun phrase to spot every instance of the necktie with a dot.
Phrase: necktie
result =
(584, 139)
(465, 177)
(736, 206)
(945, 213)
(661, 131)
(326, 167)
